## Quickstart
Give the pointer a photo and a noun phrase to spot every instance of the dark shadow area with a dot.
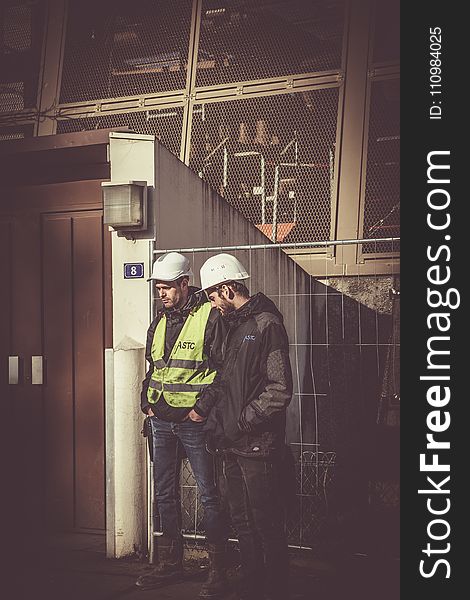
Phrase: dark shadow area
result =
(75, 567)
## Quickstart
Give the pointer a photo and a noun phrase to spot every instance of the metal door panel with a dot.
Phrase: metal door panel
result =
(54, 307)
(5, 307)
(24, 401)
(58, 349)
(74, 330)
(88, 326)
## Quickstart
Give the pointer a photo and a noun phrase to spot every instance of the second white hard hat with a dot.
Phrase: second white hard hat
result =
(220, 268)
(170, 267)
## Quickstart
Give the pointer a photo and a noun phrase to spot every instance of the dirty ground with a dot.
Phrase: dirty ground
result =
(75, 568)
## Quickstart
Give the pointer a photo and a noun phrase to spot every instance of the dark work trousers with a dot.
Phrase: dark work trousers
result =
(251, 488)
(166, 476)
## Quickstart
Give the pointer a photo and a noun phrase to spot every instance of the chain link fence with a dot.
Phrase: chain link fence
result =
(16, 133)
(273, 159)
(246, 40)
(165, 124)
(21, 39)
(382, 189)
(118, 48)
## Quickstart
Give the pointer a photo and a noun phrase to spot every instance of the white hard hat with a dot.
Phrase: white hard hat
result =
(220, 268)
(170, 267)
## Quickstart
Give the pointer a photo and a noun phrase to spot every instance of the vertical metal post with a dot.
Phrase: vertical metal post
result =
(276, 191)
(190, 81)
(50, 77)
(225, 166)
(331, 155)
(263, 190)
(149, 470)
(347, 221)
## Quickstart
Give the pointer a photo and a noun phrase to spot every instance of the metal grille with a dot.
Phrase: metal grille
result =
(17, 28)
(21, 34)
(192, 511)
(12, 96)
(386, 44)
(16, 133)
(314, 473)
(384, 511)
(166, 124)
(246, 39)
(382, 193)
(272, 158)
(118, 48)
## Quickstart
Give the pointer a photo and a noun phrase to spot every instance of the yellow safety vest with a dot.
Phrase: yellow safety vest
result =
(186, 373)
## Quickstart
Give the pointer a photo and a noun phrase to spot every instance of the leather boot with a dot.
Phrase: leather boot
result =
(169, 567)
(216, 584)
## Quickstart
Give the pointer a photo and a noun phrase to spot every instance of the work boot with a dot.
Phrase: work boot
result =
(216, 584)
(169, 567)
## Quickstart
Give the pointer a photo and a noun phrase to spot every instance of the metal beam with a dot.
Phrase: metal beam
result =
(323, 244)
(350, 167)
(49, 89)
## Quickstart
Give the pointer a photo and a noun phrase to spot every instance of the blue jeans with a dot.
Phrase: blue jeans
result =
(166, 462)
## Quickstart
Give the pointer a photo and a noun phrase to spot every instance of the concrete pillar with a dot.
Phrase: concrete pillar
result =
(126, 473)
(126, 464)
(132, 158)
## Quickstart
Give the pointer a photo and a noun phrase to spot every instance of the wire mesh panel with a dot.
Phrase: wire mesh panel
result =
(16, 133)
(273, 159)
(21, 37)
(165, 124)
(250, 39)
(382, 191)
(192, 511)
(119, 48)
(386, 43)
(314, 474)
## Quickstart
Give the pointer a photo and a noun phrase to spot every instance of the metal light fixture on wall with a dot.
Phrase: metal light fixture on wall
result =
(125, 205)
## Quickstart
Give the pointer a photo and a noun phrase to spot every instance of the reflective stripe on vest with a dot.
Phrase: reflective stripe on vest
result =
(183, 377)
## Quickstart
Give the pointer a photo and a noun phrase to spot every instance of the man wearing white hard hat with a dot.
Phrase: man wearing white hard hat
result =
(246, 424)
(184, 351)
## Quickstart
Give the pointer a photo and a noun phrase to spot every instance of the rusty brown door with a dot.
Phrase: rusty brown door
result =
(57, 308)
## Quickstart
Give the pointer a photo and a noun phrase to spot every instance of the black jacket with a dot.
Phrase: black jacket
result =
(214, 336)
(246, 404)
